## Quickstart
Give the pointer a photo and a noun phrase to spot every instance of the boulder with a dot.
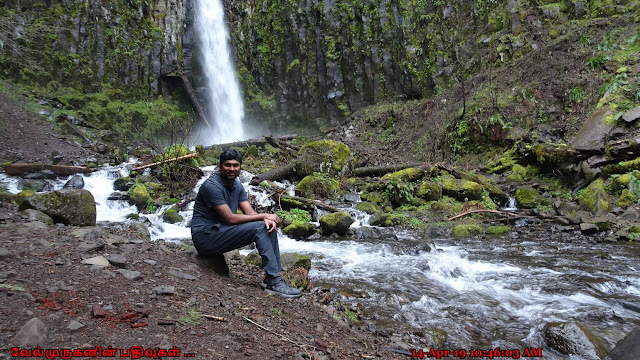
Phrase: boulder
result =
(409, 175)
(35, 215)
(67, 206)
(138, 195)
(123, 183)
(171, 216)
(299, 230)
(464, 230)
(337, 222)
(324, 156)
(594, 131)
(430, 191)
(368, 207)
(627, 348)
(462, 190)
(33, 333)
(76, 182)
(570, 338)
(595, 198)
(318, 186)
(387, 219)
(292, 261)
(528, 197)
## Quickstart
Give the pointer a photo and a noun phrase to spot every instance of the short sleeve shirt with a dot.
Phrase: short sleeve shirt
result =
(214, 192)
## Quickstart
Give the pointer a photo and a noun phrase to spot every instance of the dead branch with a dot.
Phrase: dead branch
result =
(279, 335)
(188, 156)
(216, 318)
(477, 211)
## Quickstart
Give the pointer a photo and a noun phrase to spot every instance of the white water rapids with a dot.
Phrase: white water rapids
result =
(483, 292)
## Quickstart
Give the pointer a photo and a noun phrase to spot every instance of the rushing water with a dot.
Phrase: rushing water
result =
(483, 292)
(224, 98)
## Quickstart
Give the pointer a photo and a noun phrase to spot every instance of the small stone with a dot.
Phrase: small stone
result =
(98, 311)
(74, 325)
(53, 289)
(588, 229)
(4, 253)
(89, 246)
(151, 262)
(179, 274)
(130, 274)
(164, 290)
(97, 260)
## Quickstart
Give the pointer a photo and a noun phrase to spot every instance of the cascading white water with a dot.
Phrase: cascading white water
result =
(223, 92)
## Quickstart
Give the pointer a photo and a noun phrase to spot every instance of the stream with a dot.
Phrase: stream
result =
(484, 292)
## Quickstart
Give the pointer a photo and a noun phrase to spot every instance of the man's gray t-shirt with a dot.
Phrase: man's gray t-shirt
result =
(212, 193)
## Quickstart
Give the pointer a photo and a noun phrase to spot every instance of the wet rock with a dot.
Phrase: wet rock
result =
(139, 230)
(31, 334)
(117, 196)
(595, 198)
(354, 198)
(630, 215)
(593, 132)
(130, 274)
(528, 197)
(589, 229)
(4, 253)
(41, 175)
(432, 338)
(76, 182)
(627, 348)
(36, 215)
(299, 230)
(67, 206)
(35, 185)
(97, 260)
(602, 222)
(573, 339)
(292, 261)
(631, 115)
(337, 223)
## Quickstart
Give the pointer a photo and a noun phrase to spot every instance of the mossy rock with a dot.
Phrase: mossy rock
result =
(595, 198)
(623, 167)
(36, 215)
(6, 197)
(488, 184)
(22, 195)
(295, 261)
(374, 197)
(429, 191)
(338, 223)
(462, 190)
(570, 338)
(626, 199)
(66, 206)
(324, 156)
(253, 258)
(529, 197)
(518, 173)
(318, 186)
(497, 230)
(388, 219)
(288, 203)
(171, 216)
(368, 207)
(508, 159)
(299, 230)
(619, 183)
(407, 175)
(138, 195)
(464, 230)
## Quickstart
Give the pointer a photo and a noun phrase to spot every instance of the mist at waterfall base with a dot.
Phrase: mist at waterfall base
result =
(483, 292)
(223, 96)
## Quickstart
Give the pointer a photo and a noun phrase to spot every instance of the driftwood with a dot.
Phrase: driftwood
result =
(61, 170)
(381, 170)
(188, 156)
(276, 174)
(484, 211)
(216, 318)
(246, 143)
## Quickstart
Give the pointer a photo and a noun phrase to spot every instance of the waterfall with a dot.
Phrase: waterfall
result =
(223, 92)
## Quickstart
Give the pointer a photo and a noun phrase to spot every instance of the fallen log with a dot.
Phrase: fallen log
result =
(287, 202)
(381, 170)
(483, 211)
(280, 143)
(276, 174)
(188, 156)
(60, 170)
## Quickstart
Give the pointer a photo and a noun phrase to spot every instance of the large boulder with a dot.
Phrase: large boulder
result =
(324, 156)
(595, 198)
(299, 230)
(627, 348)
(293, 261)
(67, 206)
(462, 190)
(409, 174)
(573, 339)
(528, 197)
(430, 191)
(337, 222)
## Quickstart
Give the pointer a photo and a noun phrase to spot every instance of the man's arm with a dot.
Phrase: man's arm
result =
(248, 214)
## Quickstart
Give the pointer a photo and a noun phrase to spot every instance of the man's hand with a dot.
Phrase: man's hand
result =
(271, 225)
(272, 217)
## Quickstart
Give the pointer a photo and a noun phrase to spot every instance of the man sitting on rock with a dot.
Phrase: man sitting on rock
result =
(217, 227)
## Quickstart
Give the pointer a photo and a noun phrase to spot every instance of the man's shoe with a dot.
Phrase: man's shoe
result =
(280, 287)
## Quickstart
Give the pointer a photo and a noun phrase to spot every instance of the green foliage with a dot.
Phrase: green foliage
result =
(576, 95)
(294, 215)
(191, 318)
(399, 192)
(596, 62)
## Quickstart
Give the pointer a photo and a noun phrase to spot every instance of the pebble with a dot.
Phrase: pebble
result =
(130, 274)
(4, 253)
(75, 325)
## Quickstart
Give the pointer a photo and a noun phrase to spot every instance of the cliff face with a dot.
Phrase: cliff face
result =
(127, 44)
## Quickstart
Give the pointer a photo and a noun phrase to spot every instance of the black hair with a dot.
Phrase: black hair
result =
(230, 154)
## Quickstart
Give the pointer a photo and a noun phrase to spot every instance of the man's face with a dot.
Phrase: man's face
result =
(230, 169)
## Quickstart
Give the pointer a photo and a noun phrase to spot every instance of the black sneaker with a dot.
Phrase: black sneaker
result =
(280, 287)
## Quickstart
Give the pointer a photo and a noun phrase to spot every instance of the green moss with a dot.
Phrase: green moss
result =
(324, 156)
(518, 173)
(623, 167)
(368, 207)
(139, 195)
(430, 191)
(319, 185)
(253, 258)
(619, 183)
(508, 160)
(337, 222)
(462, 190)
(595, 198)
(464, 230)
(171, 216)
(19, 197)
(389, 219)
(408, 175)
(529, 197)
(627, 199)
(497, 230)
(299, 230)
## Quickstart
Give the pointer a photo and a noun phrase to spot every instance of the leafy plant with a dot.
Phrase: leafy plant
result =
(597, 61)
(399, 193)
(191, 318)
(295, 215)
(576, 95)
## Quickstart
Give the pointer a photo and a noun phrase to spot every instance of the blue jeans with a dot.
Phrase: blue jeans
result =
(231, 237)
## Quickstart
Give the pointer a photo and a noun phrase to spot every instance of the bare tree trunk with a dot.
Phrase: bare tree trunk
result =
(276, 174)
